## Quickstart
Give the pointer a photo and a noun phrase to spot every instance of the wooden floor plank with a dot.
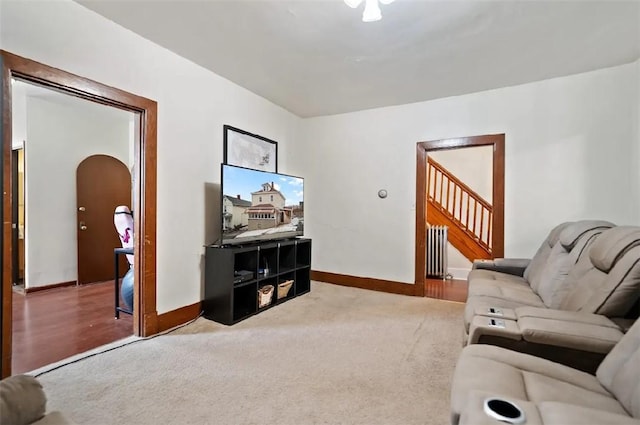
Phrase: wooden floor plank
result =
(51, 325)
(449, 289)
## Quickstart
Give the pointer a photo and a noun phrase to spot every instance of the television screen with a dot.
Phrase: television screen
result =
(260, 205)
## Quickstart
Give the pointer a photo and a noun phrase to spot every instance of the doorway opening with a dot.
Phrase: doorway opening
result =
(145, 320)
(491, 241)
(18, 221)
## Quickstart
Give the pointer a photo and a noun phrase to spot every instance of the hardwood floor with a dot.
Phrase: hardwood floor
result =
(51, 325)
(451, 290)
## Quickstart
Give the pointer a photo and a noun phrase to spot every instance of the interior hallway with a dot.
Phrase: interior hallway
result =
(54, 324)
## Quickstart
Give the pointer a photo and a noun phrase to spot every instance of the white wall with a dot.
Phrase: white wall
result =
(18, 116)
(59, 137)
(193, 105)
(473, 166)
(570, 145)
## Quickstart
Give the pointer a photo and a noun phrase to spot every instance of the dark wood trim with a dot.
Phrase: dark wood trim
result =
(421, 215)
(179, 316)
(145, 316)
(497, 239)
(52, 286)
(366, 283)
(145, 262)
(7, 250)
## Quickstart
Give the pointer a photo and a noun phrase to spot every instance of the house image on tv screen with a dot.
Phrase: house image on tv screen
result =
(234, 212)
(265, 216)
(268, 208)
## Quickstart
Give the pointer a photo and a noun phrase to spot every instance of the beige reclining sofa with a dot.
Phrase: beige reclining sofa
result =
(493, 385)
(539, 283)
(574, 318)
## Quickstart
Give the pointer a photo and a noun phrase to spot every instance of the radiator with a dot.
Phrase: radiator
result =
(437, 251)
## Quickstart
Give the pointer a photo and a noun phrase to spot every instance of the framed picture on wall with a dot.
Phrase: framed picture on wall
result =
(249, 150)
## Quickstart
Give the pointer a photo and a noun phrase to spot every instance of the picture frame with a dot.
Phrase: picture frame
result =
(249, 150)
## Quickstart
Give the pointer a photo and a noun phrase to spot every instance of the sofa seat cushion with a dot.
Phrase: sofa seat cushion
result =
(502, 372)
(503, 290)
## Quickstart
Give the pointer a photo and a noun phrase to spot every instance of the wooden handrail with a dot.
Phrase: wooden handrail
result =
(447, 205)
(457, 181)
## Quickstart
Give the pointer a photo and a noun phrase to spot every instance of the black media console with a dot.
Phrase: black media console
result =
(237, 276)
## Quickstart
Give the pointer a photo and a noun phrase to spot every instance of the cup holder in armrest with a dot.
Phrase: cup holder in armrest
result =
(504, 411)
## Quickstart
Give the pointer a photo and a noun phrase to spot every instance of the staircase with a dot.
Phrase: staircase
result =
(452, 203)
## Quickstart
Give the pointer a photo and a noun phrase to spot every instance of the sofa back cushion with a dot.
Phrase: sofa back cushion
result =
(538, 261)
(619, 372)
(607, 280)
(573, 240)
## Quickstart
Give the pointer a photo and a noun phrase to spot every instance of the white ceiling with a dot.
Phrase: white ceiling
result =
(316, 57)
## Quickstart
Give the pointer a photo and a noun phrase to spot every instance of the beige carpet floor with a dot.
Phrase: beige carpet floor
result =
(334, 356)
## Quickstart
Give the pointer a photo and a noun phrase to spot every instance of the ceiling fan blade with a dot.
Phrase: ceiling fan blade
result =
(353, 3)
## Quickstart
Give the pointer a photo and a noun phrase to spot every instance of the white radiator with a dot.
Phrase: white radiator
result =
(437, 251)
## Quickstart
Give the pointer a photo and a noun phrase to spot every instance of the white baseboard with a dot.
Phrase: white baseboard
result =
(458, 273)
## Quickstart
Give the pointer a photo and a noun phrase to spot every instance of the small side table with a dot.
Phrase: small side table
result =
(116, 252)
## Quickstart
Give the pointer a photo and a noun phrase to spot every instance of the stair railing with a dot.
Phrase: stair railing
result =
(468, 210)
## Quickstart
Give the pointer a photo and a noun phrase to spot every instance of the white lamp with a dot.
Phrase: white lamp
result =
(353, 3)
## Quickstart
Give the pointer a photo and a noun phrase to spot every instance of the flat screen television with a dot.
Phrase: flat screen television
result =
(260, 205)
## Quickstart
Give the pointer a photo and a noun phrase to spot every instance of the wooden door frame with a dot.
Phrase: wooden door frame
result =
(497, 238)
(145, 317)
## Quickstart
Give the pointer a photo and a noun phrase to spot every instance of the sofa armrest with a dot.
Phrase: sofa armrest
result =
(22, 400)
(482, 326)
(514, 266)
(583, 332)
(566, 316)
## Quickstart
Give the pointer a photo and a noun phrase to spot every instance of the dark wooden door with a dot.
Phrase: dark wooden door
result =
(102, 183)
